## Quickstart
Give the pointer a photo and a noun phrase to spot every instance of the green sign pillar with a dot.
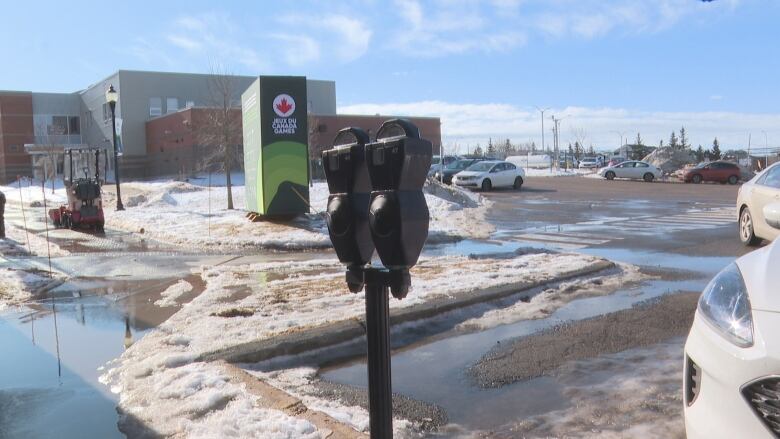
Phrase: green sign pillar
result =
(276, 146)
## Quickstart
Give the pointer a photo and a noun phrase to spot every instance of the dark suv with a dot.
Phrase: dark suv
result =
(721, 172)
(453, 168)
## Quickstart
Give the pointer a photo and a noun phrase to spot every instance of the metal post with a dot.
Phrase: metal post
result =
(119, 205)
(380, 399)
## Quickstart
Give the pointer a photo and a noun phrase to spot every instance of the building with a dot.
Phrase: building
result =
(158, 116)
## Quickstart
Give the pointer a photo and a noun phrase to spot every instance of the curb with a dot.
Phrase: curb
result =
(272, 398)
(345, 330)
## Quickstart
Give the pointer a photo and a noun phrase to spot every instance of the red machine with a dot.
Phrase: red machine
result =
(85, 206)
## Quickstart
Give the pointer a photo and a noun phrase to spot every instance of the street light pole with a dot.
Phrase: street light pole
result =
(111, 97)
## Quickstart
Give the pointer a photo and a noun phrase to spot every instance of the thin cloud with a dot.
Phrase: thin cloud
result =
(470, 124)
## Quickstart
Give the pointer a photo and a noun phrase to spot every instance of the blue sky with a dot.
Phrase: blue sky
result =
(608, 67)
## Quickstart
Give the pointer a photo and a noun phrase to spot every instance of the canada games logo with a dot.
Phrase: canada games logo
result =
(284, 105)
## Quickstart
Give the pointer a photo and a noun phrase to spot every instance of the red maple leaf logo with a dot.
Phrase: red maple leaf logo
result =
(284, 106)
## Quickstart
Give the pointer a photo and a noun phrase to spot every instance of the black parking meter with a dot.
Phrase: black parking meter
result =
(347, 212)
(376, 200)
(398, 163)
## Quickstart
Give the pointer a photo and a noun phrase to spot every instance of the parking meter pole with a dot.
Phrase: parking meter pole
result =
(380, 400)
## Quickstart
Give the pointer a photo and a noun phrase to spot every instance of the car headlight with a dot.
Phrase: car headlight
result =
(725, 305)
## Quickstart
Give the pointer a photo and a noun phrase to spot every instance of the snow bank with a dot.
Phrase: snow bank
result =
(17, 285)
(247, 303)
(557, 173)
(198, 400)
(547, 301)
(174, 293)
(190, 214)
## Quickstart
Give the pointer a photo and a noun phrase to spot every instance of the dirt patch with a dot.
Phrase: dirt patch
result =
(235, 312)
(537, 355)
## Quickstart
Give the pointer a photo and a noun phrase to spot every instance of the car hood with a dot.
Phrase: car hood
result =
(470, 174)
(759, 269)
(449, 172)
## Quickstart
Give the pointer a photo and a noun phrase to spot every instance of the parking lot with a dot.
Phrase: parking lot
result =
(609, 362)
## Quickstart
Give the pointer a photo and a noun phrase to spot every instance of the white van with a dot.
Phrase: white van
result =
(539, 161)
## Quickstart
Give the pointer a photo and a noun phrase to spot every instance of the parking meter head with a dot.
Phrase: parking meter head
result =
(398, 163)
(347, 211)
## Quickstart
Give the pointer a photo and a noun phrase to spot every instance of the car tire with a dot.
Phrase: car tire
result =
(697, 179)
(746, 232)
(609, 175)
(733, 179)
(648, 177)
(487, 185)
(518, 183)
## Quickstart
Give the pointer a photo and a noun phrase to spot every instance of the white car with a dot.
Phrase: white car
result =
(590, 162)
(487, 175)
(631, 169)
(731, 384)
(754, 196)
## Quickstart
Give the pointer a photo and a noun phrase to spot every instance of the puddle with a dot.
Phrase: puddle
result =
(53, 349)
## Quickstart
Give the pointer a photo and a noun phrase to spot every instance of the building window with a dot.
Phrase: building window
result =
(155, 107)
(74, 125)
(322, 128)
(59, 125)
(106, 112)
(13, 148)
(171, 105)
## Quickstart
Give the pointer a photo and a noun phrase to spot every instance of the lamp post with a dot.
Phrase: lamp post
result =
(111, 98)
(542, 110)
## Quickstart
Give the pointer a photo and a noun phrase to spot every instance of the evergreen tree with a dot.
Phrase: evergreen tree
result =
(533, 147)
(478, 151)
(715, 149)
(578, 150)
(638, 139)
(591, 151)
(683, 139)
(571, 151)
(507, 149)
(673, 140)
(700, 154)
(661, 143)
(491, 150)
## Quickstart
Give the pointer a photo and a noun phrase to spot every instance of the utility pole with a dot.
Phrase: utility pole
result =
(542, 110)
(750, 160)
(556, 133)
(766, 150)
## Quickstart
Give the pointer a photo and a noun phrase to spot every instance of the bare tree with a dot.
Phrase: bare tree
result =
(219, 130)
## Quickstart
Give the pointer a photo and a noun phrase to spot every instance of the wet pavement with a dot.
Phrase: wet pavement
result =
(682, 236)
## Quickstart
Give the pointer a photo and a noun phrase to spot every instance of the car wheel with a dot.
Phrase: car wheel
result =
(746, 232)
(610, 175)
(486, 185)
(648, 177)
(697, 179)
(518, 183)
(733, 179)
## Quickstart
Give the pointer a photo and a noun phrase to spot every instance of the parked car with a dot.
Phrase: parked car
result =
(731, 379)
(453, 168)
(436, 163)
(755, 202)
(631, 169)
(722, 172)
(487, 175)
(591, 162)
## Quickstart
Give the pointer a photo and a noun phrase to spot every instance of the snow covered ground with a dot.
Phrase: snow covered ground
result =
(531, 172)
(195, 215)
(245, 303)
(17, 285)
